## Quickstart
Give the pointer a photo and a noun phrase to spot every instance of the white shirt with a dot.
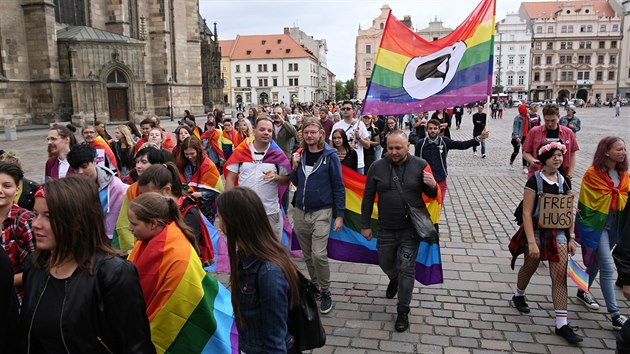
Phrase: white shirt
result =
(63, 167)
(251, 175)
(350, 134)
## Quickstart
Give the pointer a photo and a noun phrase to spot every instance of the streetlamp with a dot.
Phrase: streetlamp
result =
(92, 79)
(170, 97)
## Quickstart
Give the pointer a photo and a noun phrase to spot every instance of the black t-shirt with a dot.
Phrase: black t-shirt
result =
(553, 135)
(479, 122)
(46, 334)
(374, 132)
(546, 187)
(312, 157)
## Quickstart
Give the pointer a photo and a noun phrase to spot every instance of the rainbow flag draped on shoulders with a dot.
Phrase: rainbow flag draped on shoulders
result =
(207, 177)
(598, 199)
(350, 246)
(100, 144)
(189, 311)
(242, 154)
(123, 239)
(413, 75)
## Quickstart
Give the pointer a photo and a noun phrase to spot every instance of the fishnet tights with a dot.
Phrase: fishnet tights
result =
(558, 272)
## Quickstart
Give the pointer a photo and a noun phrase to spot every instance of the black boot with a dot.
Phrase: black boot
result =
(392, 289)
(402, 322)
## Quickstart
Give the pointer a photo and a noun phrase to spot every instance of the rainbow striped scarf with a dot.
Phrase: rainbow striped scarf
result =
(598, 199)
(123, 239)
(350, 246)
(189, 311)
(100, 144)
(413, 75)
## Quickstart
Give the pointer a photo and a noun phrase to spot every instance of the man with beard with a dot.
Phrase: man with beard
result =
(396, 245)
(434, 150)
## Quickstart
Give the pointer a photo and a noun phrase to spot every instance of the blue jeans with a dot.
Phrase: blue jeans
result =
(483, 146)
(397, 252)
(603, 263)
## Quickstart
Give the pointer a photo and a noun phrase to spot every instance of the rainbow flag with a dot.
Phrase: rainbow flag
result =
(350, 246)
(206, 177)
(100, 144)
(413, 75)
(598, 198)
(578, 275)
(189, 311)
(123, 239)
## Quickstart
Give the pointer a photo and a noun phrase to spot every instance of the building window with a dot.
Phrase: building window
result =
(549, 45)
(521, 79)
(367, 81)
(511, 60)
(586, 28)
(549, 29)
(563, 29)
(602, 45)
(613, 59)
(537, 60)
(570, 28)
(538, 45)
(238, 82)
(368, 49)
(599, 76)
(548, 59)
(275, 82)
(538, 29)
(248, 68)
(600, 59)
(510, 80)
(615, 28)
(536, 76)
(566, 76)
(224, 68)
(238, 69)
(274, 67)
(293, 66)
(70, 12)
(510, 48)
(584, 75)
(563, 45)
(613, 45)
(293, 81)
(263, 82)
(563, 59)
(249, 83)
(602, 28)
(548, 76)
(368, 65)
(611, 75)
(521, 59)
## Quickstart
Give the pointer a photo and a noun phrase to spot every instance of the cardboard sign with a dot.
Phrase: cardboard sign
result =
(556, 211)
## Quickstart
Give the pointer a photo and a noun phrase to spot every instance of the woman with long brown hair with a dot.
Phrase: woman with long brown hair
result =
(264, 280)
(76, 281)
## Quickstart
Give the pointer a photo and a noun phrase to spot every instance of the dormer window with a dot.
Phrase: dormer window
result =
(268, 51)
(288, 50)
(263, 41)
(249, 52)
(279, 41)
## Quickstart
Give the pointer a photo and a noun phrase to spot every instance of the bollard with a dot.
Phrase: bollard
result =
(10, 132)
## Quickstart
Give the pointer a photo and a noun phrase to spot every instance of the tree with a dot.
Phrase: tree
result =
(496, 89)
(349, 89)
(339, 91)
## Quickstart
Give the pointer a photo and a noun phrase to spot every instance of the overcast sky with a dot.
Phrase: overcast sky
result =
(337, 21)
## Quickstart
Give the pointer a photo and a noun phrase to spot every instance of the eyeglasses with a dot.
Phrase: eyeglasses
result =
(346, 109)
(314, 132)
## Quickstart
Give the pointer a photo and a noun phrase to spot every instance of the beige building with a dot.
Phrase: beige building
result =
(435, 31)
(575, 51)
(226, 49)
(117, 59)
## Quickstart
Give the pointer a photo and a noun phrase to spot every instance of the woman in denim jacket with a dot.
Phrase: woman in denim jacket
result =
(265, 283)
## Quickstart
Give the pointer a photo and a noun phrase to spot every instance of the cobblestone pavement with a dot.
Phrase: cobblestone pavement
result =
(471, 312)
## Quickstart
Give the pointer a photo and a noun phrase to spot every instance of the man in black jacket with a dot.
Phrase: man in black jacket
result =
(621, 255)
(396, 245)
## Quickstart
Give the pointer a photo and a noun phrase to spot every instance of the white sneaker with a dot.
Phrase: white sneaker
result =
(588, 300)
(525, 170)
(474, 153)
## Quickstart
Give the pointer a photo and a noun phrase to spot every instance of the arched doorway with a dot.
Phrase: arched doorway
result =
(263, 98)
(563, 96)
(582, 94)
(117, 96)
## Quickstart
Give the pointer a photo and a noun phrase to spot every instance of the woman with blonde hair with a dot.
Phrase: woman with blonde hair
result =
(123, 149)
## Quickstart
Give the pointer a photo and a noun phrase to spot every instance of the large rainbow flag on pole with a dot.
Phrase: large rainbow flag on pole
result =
(413, 75)
(350, 246)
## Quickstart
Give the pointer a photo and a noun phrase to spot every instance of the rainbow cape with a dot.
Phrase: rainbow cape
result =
(578, 275)
(598, 198)
(123, 239)
(100, 143)
(276, 156)
(413, 75)
(215, 141)
(189, 311)
(207, 177)
(350, 246)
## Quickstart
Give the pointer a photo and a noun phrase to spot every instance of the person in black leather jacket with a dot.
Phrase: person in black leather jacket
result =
(8, 305)
(80, 297)
(621, 255)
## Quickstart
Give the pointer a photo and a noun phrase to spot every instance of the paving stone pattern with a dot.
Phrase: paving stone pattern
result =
(471, 312)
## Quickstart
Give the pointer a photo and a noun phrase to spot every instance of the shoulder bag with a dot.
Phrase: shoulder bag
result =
(419, 217)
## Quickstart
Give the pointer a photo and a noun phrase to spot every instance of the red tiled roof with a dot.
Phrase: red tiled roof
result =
(270, 46)
(548, 9)
(226, 47)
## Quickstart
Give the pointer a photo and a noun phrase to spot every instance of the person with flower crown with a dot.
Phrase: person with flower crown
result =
(548, 132)
(538, 243)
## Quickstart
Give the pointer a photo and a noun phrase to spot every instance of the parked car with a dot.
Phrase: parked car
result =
(516, 103)
(624, 101)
